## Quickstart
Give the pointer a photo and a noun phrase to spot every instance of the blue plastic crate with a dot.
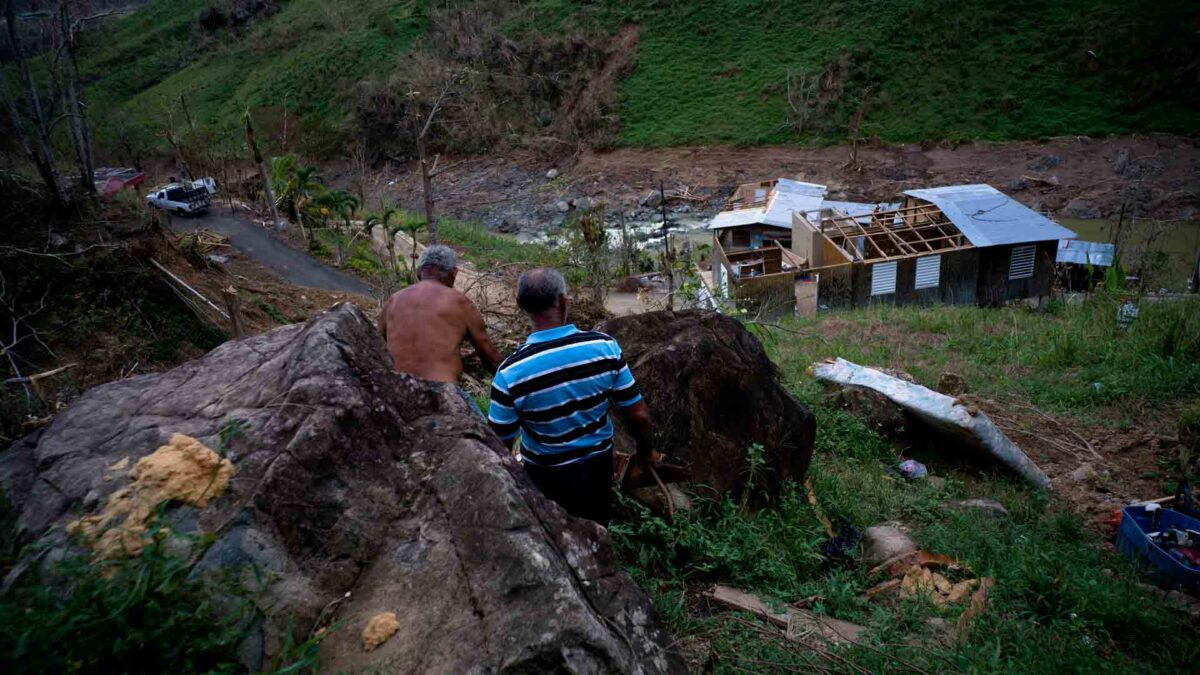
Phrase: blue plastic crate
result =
(1133, 541)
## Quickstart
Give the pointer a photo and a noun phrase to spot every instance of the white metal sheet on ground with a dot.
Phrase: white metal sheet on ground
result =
(1020, 266)
(883, 278)
(945, 414)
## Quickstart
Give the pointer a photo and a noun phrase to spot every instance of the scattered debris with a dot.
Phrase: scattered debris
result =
(183, 470)
(966, 620)
(885, 542)
(912, 469)
(920, 581)
(952, 384)
(968, 425)
(799, 623)
(379, 630)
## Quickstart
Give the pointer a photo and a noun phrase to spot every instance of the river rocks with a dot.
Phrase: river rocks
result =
(353, 482)
(713, 394)
(884, 542)
(1043, 162)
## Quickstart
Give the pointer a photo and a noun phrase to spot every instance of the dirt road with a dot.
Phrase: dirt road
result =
(262, 247)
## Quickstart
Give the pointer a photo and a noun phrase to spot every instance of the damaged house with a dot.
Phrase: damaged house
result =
(963, 244)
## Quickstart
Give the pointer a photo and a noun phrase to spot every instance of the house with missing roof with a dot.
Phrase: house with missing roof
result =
(962, 244)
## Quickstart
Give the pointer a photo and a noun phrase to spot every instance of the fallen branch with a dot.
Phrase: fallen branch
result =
(193, 291)
(31, 379)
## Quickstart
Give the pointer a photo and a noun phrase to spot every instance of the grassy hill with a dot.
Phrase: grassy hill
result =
(705, 72)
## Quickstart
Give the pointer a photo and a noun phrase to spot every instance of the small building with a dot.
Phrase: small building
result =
(962, 244)
(752, 261)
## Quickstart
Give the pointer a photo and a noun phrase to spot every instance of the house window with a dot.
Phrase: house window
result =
(1020, 266)
(883, 278)
(929, 272)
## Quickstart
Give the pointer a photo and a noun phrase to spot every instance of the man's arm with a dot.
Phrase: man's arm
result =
(628, 397)
(477, 334)
(637, 419)
(502, 412)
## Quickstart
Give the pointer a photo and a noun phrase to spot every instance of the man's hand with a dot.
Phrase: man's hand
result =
(640, 464)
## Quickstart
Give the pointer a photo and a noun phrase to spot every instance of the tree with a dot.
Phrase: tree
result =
(389, 232)
(445, 90)
(262, 171)
(68, 73)
(413, 227)
(37, 148)
(343, 205)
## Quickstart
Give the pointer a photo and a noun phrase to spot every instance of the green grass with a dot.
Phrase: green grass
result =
(708, 72)
(155, 612)
(485, 248)
(307, 57)
(712, 72)
(1070, 358)
(1063, 602)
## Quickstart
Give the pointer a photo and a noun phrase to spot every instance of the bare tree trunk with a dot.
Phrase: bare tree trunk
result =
(73, 105)
(262, 172)
(427, 185)
(43, 155)
(668, 257)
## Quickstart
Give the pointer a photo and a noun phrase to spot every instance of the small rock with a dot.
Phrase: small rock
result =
(1083, 209)
(988, 507)
(1107, 573)
(508, 226)
(883, 542)
(936, 482)
(583, 203)
(562, 206)
(1121, 160)
(57, 240)
(952, 384)
(652, 497)
(651, 200)
(1043, 162)
(1084, 472)
(552, 174)
(1017, 185)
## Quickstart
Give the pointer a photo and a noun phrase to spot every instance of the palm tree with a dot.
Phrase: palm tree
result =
(389, 231)
(343, 204)
(412, 227)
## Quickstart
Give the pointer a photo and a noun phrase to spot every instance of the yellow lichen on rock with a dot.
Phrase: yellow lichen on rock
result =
(379, 629)
(183, 470)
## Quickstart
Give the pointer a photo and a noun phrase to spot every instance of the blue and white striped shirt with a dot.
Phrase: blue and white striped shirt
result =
(556, 390)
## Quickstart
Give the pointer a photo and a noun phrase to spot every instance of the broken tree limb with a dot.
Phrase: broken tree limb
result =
(794, 620)
(39, 376)
(188, 288)
(943, 413)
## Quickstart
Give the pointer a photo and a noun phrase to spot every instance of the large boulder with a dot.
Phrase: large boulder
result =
(359, 490)
(713, 393)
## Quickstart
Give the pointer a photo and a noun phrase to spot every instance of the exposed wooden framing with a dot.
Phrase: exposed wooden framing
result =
(912, 231)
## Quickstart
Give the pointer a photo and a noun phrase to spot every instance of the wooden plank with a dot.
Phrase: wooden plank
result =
(797, 622)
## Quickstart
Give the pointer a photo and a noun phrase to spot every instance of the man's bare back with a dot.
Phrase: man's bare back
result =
(424, 326)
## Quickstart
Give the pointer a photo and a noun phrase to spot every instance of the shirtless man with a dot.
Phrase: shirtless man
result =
(425, 324)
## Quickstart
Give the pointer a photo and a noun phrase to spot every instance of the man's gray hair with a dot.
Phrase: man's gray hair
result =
(538, 289)
(439, 256)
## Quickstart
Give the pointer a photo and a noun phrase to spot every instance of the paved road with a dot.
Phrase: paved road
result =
(262, 247)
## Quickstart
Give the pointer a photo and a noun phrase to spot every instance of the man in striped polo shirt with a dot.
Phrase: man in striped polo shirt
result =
(556, 391)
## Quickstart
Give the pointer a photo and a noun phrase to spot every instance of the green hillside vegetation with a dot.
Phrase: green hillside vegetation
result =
(705, 72)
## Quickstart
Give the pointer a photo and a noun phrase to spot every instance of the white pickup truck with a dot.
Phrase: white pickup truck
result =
(188, 198)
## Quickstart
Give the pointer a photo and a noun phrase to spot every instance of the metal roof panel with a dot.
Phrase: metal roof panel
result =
(988, 217)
